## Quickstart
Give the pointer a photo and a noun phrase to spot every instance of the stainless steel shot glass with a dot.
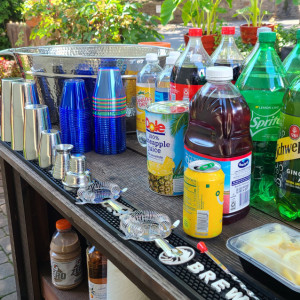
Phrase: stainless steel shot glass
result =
(36, 120)
(62, 160)
(49, 140)
(6, 106)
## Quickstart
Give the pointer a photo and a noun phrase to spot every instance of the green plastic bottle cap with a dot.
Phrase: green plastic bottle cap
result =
(267, 37)
(298, 34)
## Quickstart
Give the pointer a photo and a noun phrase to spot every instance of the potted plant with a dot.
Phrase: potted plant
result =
(201, 13)
(254, 15)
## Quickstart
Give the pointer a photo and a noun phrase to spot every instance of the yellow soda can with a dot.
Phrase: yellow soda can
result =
(203, 199)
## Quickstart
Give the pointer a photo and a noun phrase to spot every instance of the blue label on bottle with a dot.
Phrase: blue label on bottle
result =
(161, 96)
(237, 172)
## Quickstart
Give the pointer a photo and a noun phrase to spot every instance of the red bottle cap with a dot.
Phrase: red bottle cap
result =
(201, 247)
(63, 224)
(195, 32)
(228, 30)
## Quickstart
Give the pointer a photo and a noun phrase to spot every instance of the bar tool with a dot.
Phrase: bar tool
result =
(62, 160)
(50, 138)
(77, 176)
(6, 106)
(203, 249)
(36, 120)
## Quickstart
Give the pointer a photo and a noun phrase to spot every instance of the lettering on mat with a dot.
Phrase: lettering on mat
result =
(218, 285)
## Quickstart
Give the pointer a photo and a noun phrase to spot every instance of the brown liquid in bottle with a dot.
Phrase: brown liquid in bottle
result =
(65, 254)
(97, 274)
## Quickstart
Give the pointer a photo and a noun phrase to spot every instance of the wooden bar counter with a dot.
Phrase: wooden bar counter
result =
(33, 206)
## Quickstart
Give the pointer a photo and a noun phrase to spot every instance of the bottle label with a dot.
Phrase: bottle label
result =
(183, 92)
(66, 273)
(287, 167)
(130, 88)
(145, 94)
(237, 172)
(161, 96)
(97, 291)
(264, 125)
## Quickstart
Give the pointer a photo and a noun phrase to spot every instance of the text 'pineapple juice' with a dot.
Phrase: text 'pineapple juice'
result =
(166, 123)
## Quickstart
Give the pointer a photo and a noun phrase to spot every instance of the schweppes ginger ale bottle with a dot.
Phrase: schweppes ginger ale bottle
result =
(287, 161)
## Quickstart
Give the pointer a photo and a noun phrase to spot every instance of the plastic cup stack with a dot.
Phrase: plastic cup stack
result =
(109, 111)
(75, 116)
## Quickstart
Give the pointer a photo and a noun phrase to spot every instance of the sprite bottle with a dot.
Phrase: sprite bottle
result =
(287, 166)
(292, 61)
(263, 84)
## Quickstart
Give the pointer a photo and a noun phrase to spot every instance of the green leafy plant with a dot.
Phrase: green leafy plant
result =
(285, 37)
(254, 13)
(9, 11)
(8, 68)
(91, 21)
(201, 13)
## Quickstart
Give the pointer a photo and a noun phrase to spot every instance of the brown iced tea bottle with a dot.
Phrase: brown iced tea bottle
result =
(97, 274)
(65, 255)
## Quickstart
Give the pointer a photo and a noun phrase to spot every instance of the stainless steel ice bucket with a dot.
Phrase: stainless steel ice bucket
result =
(49, 66)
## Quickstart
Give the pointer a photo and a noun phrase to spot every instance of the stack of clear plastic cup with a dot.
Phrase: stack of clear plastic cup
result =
(109, 111)
(75, 116)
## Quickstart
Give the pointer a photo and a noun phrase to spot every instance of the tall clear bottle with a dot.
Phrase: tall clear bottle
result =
(263, 84)
(256, 46)
(188, 74)
(287, 168)
(162, 83)
(292, 61)
(227, 53)
(145, 93)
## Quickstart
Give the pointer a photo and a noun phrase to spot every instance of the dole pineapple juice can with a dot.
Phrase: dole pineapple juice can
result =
(166, 123)
(203, 199)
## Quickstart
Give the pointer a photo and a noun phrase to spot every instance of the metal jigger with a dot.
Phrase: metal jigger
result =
(36, 120)
(49, 140)
(23, 93)
(62, 160)
(77, 176)
(5, 107)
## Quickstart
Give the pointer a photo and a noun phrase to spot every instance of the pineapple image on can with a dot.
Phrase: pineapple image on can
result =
(166, 123)
(161, 176)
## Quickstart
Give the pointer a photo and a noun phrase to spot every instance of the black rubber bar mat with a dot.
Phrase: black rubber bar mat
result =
(179, 275)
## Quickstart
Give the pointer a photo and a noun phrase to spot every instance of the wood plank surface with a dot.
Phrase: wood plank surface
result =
(129, 170)
(50, 292)
(136, 269)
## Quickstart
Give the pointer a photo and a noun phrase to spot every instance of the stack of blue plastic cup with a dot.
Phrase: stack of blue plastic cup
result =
(75, 116)
(109, 111)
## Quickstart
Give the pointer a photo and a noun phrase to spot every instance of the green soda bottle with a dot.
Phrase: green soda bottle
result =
(292, 61)
(287, 166)
(263, 84)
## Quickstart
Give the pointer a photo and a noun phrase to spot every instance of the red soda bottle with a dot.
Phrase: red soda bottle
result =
(219, 130)
(188, 74)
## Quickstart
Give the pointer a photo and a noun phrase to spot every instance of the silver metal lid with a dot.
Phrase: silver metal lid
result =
(204, 166)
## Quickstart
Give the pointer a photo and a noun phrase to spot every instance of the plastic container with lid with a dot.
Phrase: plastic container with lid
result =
(292, 61)
(65, 256)
(271, 254)
(218, 130)
(255, 48)
(145, 93)
(227, 53)
(162, 83)
(188, 74)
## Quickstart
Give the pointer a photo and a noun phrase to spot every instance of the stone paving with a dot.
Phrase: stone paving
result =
(7, 278)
